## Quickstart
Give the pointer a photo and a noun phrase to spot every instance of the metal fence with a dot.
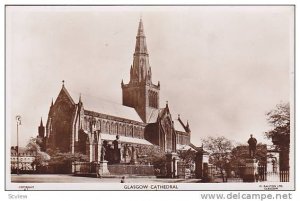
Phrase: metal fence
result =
(24, 168)
(237, 174)
(261, 174)
(121, 169)
(116, 169)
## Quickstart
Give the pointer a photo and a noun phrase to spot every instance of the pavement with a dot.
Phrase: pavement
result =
(64, 178)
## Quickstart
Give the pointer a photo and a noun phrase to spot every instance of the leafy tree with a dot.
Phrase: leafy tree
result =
(61, 161)
(188, 156)
(220, 151)
(41, 158)
(279, 119)
(240, 153)
(152, 154)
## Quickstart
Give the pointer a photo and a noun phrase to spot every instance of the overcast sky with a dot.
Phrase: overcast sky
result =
(221, 68)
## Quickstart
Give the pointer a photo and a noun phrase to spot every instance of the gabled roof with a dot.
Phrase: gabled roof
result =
(159, 112)
(65, 92)
(153, 115)
(178, 126)
(110, 108)
(98, 105)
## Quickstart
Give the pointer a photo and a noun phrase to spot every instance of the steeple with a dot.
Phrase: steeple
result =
(141, 28)
(140, 45)
(41, 129)
(41, 124)
(140, 93)
(140, 71)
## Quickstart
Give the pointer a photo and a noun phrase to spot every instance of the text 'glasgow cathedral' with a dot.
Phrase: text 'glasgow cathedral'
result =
(89, 124)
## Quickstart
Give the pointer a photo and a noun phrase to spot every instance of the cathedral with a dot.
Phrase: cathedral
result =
(87, 124)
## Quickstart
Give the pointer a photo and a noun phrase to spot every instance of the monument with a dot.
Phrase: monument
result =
(117, 149)
(251, 169)
(252, 146)
(102, 169)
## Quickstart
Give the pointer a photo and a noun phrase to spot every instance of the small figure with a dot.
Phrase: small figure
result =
(252, 146)
(123, 179)
(117, 149)
(103, 150)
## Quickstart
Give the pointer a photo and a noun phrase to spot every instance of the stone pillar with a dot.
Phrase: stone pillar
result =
(273, 167)
(250, 170)
(133, 156)
(99, 147)
(172, 159)
(102, 169)
(199, 165)
(90, 152)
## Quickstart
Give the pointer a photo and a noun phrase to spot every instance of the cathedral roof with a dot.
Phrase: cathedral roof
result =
(178, 126)
(153, 118)
(99, 105)
(153, 115)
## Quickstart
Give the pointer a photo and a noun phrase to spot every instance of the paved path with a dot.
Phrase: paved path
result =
(56, 178)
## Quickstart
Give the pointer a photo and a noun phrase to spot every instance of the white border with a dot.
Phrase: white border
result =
(129, 195)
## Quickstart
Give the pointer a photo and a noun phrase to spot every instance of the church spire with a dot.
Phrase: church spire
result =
(141, 28)
(41, 124)
(140, 71)
(140, 93)
(140, 45)
(41, 129)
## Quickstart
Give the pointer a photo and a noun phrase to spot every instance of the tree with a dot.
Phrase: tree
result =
(153, 155)
(220, 151)
(279, 119)
(240, 153)
(41, 158)
(188, 156)
(61, 161)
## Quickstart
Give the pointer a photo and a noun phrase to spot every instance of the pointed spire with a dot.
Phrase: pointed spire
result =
(187, 127)
(167, 104)
(52, 102)
(41, 124)
(63, 83)
(178, 116)
(141, 29)
(140, 45)
(80, 98)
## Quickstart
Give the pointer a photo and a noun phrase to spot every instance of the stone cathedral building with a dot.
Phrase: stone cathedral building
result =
(86, 124)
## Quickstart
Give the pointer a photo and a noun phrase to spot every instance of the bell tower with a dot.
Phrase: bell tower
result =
(140, 93)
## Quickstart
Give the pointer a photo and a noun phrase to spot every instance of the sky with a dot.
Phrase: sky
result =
(220, 67)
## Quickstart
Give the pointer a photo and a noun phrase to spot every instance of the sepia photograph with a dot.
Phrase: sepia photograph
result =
(132, 97)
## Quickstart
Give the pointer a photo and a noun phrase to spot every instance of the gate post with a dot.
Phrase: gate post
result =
(199, 164)
(172, 159)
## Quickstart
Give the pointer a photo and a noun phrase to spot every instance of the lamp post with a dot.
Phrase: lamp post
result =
(18, 119)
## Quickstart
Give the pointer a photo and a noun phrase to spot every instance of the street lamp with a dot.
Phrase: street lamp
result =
(18, 119)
